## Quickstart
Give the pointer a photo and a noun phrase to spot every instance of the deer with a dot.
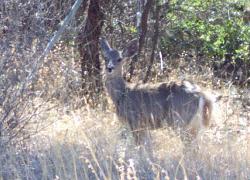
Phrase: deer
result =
(176, 105)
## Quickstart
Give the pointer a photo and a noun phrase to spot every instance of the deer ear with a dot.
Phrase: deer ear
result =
(104, 44)
(105, 47)
(131, 49)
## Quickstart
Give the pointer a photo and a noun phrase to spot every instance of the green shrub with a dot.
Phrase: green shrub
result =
(213, 28)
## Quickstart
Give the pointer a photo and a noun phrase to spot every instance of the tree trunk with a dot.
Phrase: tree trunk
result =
(143, 33)
(89, 51)
(154, 41)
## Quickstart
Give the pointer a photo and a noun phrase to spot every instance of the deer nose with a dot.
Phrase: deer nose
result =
(110, 66)
(110, 69)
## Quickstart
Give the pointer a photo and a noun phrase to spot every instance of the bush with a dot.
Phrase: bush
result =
(217, 30)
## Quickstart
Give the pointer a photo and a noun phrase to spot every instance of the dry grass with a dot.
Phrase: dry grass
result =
(91, 144)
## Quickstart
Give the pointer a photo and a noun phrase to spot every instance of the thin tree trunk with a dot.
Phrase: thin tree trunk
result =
(89, 50)
(154, 42)
(144, 29)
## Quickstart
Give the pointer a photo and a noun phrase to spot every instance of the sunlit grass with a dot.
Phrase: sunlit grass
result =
(69, 141)
(91, 144)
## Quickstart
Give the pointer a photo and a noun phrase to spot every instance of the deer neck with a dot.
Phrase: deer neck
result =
(116, 87)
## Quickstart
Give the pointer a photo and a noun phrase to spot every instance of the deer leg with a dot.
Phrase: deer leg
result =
(142, 137)
(144, 143)
(143, 140)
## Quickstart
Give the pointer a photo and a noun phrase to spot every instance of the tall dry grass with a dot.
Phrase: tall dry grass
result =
(71, 141)
(90, 143)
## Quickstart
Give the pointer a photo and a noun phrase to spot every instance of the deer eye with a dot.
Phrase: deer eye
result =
(119, 60)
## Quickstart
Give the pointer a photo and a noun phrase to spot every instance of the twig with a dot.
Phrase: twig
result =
(50, 45)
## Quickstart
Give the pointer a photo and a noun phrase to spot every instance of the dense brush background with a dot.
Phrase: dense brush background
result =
(57, 122)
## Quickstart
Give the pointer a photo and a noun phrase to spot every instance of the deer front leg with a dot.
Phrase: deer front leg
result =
(142, 137)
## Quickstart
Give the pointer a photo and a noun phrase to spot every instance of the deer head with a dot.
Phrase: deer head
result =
(114, 58)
